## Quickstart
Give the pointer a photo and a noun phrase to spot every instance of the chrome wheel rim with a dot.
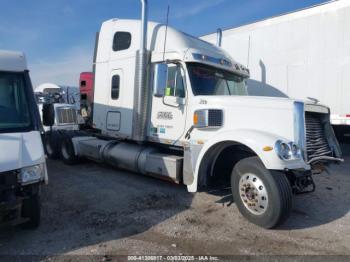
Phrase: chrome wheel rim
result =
(253, 194)
(48, 148)
(65, 152)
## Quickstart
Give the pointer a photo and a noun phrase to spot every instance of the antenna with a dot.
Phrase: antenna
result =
(248, 58)
(166, 32)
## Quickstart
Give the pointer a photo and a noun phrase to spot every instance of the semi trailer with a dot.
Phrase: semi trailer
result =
(300, 54)
(170, 105)
(22, 158)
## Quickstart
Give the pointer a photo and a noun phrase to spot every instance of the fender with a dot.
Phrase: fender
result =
(255, 140)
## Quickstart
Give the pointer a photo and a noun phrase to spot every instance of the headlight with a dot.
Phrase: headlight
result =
(296, 152)
(29, 175)
(287, 151)
(208, 118)
(283, 150)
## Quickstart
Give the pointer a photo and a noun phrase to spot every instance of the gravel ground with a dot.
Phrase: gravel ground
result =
(91, 209)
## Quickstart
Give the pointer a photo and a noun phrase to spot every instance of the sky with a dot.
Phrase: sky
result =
(58, 36)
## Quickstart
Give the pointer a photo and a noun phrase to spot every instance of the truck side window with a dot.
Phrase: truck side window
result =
(121, 41)
(175, 84)
(115, 87)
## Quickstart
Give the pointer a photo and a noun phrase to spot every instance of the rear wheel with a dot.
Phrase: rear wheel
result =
(264, 197)
(31, 209)
(51, 146)
(67, 152)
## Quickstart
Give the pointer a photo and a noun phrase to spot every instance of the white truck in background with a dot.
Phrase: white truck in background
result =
(170, 105)
(66, 101)
(22, 158)
(49, 92)
(300, 54)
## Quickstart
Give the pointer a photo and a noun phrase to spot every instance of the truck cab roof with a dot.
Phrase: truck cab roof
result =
(12, 61)
(178, 46)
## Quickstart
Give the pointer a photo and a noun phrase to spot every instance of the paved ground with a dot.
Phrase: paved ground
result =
(89, 209)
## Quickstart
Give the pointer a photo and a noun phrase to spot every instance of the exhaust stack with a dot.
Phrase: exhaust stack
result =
(218, 37)
(141, 91)
(144, 21)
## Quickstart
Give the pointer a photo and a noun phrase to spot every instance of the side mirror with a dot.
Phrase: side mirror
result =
(173, 101)
(160, 79)
(48, 115)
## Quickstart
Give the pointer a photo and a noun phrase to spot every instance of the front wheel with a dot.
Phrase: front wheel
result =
(264, 197)
(31, 208)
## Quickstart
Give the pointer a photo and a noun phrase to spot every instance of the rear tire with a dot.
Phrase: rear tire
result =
(67, 152)
(31, 208)
(51, 145)
(263, 197)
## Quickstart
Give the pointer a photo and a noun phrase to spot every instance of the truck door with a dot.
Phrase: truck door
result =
(168, 115)
(115, 106)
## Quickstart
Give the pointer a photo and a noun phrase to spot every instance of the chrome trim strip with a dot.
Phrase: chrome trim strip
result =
(299, 127)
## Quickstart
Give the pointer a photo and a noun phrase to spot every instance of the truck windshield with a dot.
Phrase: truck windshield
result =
(211, 81)
(14, 109)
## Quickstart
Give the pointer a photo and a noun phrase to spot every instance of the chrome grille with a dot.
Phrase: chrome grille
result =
(316, 141)
(66, 115)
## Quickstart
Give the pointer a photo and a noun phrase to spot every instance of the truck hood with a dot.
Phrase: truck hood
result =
(20, 150)
(263, 114)
(248, 101)
(273, 115)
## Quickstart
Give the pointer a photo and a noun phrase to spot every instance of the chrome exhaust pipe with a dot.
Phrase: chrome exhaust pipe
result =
(141, 95)
(144, 21)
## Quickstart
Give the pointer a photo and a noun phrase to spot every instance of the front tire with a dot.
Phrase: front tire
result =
(263, 197)
(31, 209)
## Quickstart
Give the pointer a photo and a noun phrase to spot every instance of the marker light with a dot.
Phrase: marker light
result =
(267, 148)
(195, 119)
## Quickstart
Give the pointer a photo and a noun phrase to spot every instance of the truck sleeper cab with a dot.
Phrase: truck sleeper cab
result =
(183, 113)
(23, 168)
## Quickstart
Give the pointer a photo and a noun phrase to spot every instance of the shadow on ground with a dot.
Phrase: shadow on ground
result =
(85, 205)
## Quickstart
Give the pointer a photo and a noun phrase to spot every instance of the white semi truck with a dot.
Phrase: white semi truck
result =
(170, 105)
(22, 158)
(300, 54)
(66, 101)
